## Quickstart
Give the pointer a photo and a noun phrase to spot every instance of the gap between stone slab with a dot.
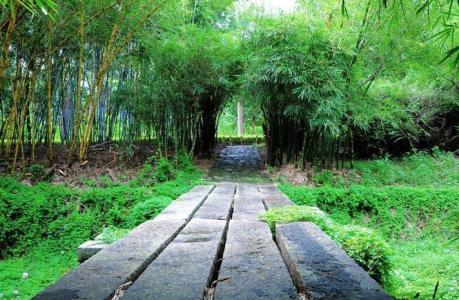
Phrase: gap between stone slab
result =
(209, 292)
(300, 289)
(119, 292)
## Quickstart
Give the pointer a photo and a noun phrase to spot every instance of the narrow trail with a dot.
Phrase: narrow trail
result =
(210, 244)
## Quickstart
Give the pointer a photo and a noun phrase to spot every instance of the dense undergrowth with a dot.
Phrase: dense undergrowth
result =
(398, 219)
(41, 225)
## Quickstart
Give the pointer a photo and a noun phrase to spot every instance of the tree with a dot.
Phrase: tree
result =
(296, 73)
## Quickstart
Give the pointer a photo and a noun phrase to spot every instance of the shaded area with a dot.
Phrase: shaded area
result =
(238, 164)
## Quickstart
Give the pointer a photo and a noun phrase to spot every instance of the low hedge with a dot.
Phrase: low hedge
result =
(396, 211)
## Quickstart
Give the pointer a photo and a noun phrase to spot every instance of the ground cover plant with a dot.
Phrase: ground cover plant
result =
(411, 205)
(42, 225)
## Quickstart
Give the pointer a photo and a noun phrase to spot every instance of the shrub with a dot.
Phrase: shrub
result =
(31, 214)
(25, 213)
(366, 247)
(184, 161)
(159, 171)
(147, 209)
(397, 211)
(67, 232)
(418, 169)
(38, 172)
(145, 176)
(164, 170)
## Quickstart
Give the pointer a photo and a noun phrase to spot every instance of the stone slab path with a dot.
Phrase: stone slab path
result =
(210, 244)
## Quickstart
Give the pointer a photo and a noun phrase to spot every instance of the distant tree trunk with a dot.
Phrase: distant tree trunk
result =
(240, 119)
(49, 97)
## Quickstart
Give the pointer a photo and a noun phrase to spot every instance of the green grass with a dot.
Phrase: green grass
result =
(419, 264)
(41, 225)
(43, 265)
(412, 203)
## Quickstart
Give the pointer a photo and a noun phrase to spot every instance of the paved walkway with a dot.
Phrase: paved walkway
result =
(238, 164)
(210, 244)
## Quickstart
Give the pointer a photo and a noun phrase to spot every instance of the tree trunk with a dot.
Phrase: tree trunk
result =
(240, 119)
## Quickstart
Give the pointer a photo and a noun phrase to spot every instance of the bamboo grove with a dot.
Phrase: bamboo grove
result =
(80, 72)
(63, 74)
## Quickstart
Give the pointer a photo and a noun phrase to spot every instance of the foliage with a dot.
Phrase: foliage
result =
(419, 264)
(164, 170)
(38, 172)
(411, 204)
(35, 6)
(397, 211)
(43, 266)
(439, 169)
(111, 234)
(443, 11)
(147, 209)
(41, 225)
(186, 78)
(154, 171)
(365, 246)
(29, 214)
(297, 73)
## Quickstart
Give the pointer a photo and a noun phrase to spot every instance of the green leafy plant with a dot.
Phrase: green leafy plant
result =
(164, 170)
(111, 234)
(147, 209)
(38, 172)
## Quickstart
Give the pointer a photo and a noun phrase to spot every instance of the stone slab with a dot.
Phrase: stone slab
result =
(248, 208)
(181, 208)
(216, 207)
(89, 249)
(124, 260)
(252, 265)
(272, 197)
(246, 190)
(225, 188)
(185, 267)
(321, 268)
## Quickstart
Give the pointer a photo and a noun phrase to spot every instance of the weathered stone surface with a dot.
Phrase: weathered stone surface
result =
(253, 265)
(248, 208)
(124, 260)
(216, 207)
(185, 267)
(267, 188)
(225, 188)
(272, 197)
(248, 204)
(246, 190)
(184, 207)
(320, 267)
(89, 249)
